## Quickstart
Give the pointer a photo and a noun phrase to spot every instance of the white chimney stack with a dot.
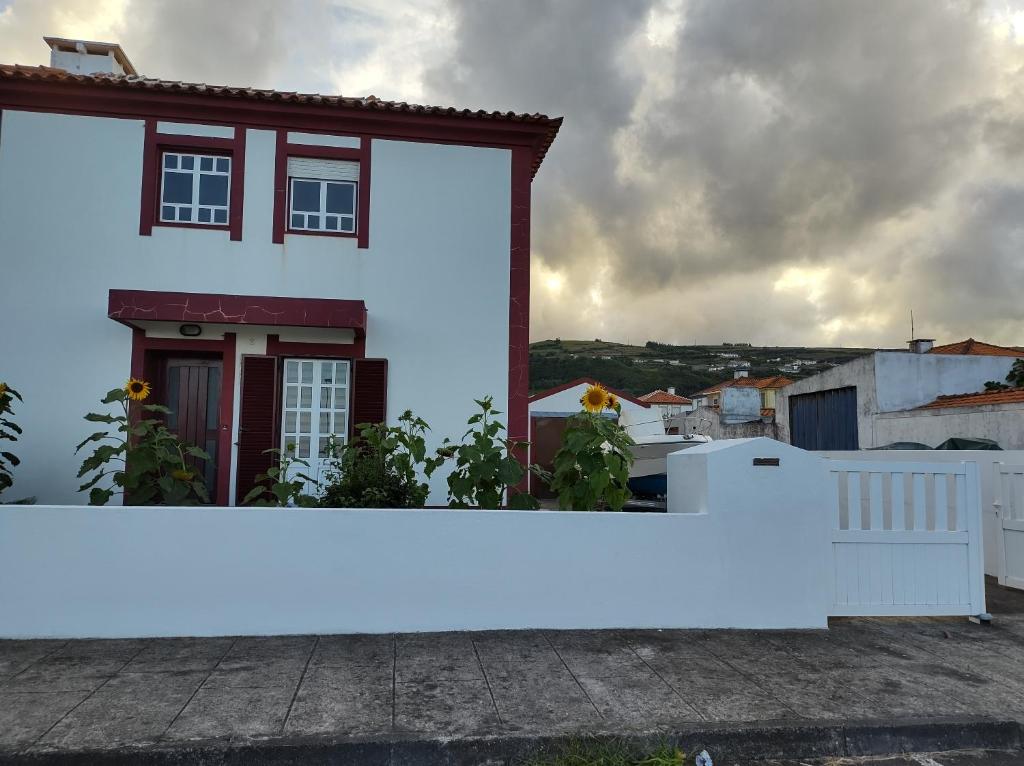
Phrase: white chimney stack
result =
(740, 374)
(921, 345)
(86, 57)
(672, 390)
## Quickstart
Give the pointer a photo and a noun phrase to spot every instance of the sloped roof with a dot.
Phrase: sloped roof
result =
(589, 382)
(664, 397)
(775, 381)
(982, 398)
(972, 347)
(367, 103)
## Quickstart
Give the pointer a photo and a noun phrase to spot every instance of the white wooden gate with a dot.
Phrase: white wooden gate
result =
(1009, 506)
(906, 538)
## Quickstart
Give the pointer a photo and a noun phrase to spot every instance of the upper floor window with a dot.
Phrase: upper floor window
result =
(195, 188)
(322, 195)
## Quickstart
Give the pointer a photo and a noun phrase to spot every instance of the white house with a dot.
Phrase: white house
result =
(668, 402)
(279, 266)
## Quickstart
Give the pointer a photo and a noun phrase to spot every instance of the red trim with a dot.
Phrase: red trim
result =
(363, 213)
(277, 347)
(126, 306)
(284, 150)
(519, 302)
(280, 186)
(589, 382)
(156, 144)
(226, 347)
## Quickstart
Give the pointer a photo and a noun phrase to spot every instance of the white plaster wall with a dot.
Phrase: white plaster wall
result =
(906, 380)
(434, 279)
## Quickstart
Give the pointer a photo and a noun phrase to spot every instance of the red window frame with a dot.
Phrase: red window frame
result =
(282, 189)
(152, 167)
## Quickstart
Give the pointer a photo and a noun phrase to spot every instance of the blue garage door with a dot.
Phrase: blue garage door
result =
(824, 420)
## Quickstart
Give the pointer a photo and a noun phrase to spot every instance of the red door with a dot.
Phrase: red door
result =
(191, 390)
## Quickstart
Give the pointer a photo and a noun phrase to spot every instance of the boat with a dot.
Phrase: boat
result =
(648, 476)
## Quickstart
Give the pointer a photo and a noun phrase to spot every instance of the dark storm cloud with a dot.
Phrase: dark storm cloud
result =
(866, 140)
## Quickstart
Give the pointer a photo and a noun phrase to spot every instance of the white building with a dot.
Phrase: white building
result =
(280, 266)
(880, 398)
(669, 403)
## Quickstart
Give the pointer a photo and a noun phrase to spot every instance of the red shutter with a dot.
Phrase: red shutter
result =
(369, 392)
(257, 420)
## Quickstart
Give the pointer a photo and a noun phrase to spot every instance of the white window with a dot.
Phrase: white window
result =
(315, 407)
(322, 195)
(195, 188)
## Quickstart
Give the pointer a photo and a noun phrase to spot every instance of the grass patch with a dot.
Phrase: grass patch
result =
(608, 753)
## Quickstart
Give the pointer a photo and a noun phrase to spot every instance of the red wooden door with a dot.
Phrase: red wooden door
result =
(192, 393)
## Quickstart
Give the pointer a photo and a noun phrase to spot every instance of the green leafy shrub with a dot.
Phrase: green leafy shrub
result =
(592, 465)
(594, 752)
(9, 431)
(381, 467)
(145, 461)
(274, 489)
(1014, 378)
(485, 465)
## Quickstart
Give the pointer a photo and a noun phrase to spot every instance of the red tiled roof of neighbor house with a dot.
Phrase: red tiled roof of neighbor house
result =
(775, 381)
(982, 398)
(46, 74)
(972, 347)
(664, 397)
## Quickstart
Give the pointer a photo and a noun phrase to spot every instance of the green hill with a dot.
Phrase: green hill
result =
(639, 369)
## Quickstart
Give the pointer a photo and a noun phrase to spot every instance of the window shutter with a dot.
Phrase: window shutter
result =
(369, 392)
(325, 170)
(257, 420)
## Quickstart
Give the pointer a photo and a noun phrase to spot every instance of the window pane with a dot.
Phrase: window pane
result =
(184, 214)
(307, 372)
(341, 370)
(305, 422)
(303, 446)
(323, 446)
(213, 190)
(326, 372)
(188, 162)
(325, 422)
(306, 196)
(167, 213)
(340, 198)
(177, 187)
(306, 400)
(289, 422)
(312, 222)
(331, 222)
(297, 221)
(170, 160)
(206, 163)
(291, 398)
(223, 163)
(293, 372)
(325, 397)
(220, 216)
(339, 398)
(348, 223)
(204, 215)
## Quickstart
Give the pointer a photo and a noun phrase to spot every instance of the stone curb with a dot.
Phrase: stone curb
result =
(724, 741)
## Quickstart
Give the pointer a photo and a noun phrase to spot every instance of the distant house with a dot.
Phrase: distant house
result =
(768, 388)
(668, 402)
(926, 394)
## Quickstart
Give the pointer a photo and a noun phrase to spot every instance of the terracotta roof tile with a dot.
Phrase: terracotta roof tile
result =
(1010, 396)
(775, 381)
(664, 397)
(367, 103)
(972, 347)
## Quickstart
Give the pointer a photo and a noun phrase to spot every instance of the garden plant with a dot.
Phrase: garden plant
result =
(591, 468)
(278, 488)
(9, 431)
(145, 461)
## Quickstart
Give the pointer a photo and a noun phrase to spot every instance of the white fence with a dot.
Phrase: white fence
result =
(906, 538)
(1009, 510)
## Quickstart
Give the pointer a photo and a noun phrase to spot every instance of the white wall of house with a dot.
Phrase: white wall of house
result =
(637, 419)
(70, 190)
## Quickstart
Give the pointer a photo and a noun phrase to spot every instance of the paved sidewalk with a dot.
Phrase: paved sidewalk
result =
(101, 695)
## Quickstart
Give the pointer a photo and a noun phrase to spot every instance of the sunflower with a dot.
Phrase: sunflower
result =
(3, 389)
(595, 399)
(613, 402)
(182, 474)
(137, 390)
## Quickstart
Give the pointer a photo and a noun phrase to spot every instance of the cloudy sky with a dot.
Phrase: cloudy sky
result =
(785, 172)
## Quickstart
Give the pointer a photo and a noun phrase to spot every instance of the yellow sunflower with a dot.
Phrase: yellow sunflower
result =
(182, 475)
(613, 402)
(595, 399)
(3, 389)
(137, 390)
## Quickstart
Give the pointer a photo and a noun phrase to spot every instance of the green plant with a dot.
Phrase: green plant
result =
(274, 489)
(486, 468)
(595, 752)
(381, 467)
(1014, 378)
(592, 465)
(9, 430)
(153, 468)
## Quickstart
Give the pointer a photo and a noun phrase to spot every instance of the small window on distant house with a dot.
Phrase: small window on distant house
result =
(195, 188)
(322, 195)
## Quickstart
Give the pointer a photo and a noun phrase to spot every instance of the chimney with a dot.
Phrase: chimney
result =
(921, 345)
(85, 57)
(740, 374)
(672, 390)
